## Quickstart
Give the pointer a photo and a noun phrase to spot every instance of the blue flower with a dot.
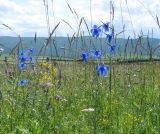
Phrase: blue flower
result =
(111, 49)
(31, 59)
(21, 53)
(22, 66)
(106, 26)
(95, 31)
(96, 54)
(22, 82)
(109, 37)
(22, 59)
(85, 56)
(30, 51)
(102, 70)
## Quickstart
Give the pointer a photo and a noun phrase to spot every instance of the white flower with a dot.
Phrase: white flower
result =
(88, 110)
(134, 75)
(1, 50)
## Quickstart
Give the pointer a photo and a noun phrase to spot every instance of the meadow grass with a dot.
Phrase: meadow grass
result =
(83, 103)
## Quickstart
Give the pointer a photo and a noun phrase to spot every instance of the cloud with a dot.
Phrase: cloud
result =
(28, 17)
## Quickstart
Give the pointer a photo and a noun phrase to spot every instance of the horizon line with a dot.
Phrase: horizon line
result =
(71, 37)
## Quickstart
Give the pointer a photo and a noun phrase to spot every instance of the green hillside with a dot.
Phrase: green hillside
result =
(71, 47)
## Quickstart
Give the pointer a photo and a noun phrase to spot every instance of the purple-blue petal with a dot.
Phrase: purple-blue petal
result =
(22, 82)
(85, 56)
(102, 70)
(95, 31)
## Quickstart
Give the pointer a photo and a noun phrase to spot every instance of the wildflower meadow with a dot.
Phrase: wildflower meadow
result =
(100, 90)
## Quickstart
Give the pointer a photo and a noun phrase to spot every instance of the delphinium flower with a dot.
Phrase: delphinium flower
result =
(30, 58)
(85, 56)
(109, 38)
(95, 31)
(108, 31)
(26, 56)
(109, 35)
(30, 51)
(96, 54)
(23, 58)
(105, 26)
(22, 66)
(22, 82)
(102, 70)
(21, 53)
(111, 49)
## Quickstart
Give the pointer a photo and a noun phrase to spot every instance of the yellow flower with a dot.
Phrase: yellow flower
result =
(44, 64)
(48, 73)
(45, 77)
(55, 71)
(49, 66)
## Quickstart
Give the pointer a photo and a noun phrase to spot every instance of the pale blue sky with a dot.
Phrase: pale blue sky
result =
(28, 16)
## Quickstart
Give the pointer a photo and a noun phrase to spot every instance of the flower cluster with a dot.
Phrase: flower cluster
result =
(109, 35)
(101, 69)
(25, 58)
(48, 74)
(96, 54)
